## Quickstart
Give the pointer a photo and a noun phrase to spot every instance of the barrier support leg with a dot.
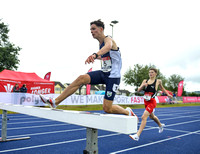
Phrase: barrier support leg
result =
(91, 142)
(4, 126)
(4, 129)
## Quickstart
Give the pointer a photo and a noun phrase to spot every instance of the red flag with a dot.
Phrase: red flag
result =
(180, 88)
(88, 86)
(47, 76)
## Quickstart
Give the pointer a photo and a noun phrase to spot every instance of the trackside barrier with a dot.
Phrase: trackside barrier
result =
(92, 121)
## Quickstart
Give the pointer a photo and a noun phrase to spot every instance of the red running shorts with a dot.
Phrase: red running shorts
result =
(150, 105)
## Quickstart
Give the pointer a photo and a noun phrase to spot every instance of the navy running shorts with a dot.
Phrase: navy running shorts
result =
(112, 84)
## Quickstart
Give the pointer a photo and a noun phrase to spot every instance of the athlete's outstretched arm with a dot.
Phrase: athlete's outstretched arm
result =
(163, 89)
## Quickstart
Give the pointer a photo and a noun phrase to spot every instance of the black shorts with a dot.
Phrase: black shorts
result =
(112, 84)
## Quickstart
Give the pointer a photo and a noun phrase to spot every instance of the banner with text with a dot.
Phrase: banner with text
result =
(34, 100)
(191, 99)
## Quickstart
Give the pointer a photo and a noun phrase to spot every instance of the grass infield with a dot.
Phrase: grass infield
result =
(100, 107)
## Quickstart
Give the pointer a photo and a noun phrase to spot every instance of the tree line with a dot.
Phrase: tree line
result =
(8, 51)
(135, 76)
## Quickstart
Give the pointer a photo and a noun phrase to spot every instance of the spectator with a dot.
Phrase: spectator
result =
(16, 88)
(23, 89)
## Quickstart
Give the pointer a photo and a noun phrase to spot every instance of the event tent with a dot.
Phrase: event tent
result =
(34, 83)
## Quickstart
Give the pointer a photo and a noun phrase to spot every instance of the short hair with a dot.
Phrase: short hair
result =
(154, 69)
(98, 23)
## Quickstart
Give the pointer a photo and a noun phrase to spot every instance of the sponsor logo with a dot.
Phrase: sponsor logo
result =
(39, 90)
(109, 93)
(8, 87)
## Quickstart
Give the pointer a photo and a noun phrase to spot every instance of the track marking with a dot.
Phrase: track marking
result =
(181, 131)
(148, 121)
(18, 119)
(44, 133)
(27, 122)
(144, 145)
(51, 144)
(53, 125)
(180, 123)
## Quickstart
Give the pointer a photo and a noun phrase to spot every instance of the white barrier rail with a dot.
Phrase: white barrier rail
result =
(92, 121)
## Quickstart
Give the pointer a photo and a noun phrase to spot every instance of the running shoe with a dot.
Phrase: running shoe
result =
(135, 137)
(161, 128)
(48, 101)
(131, 113)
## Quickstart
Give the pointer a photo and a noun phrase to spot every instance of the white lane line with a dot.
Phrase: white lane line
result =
(181, 123)
(16, 119)
(18, 116)
(44, 133)
(181, 131)
(27, 122)
(175, 114)
(193, 116)
(29, 127)
(144, 145)
(51, 144)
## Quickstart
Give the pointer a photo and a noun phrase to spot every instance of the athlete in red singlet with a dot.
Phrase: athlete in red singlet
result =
(150, 87)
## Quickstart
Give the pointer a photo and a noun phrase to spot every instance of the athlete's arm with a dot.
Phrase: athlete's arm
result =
(106, 48)
(163, 89)
(142, 85)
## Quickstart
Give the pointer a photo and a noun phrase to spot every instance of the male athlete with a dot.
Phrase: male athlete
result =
(109, 74)
(150, 87)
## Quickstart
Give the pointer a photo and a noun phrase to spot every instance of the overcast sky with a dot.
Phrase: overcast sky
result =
(55, 35)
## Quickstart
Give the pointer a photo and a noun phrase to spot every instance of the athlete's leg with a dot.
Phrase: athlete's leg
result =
(143, 123)
(112, 85)
(82, 79)
(108, 107)
(155, 118)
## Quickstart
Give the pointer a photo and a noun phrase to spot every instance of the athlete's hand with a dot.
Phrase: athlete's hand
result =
(170, 96)
(144, 85)
(90, 59)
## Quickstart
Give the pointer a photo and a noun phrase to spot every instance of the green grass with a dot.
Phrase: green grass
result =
(100, 107)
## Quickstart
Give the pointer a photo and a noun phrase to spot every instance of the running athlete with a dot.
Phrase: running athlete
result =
(150, 87)
(111, 63)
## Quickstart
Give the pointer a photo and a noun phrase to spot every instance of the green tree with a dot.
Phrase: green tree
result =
(8, 51)
(134, 77)
(173, 81)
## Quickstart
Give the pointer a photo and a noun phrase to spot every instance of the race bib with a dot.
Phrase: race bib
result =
(147, 97)
(106, 64)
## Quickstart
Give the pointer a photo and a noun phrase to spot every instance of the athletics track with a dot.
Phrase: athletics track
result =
(181, 135)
